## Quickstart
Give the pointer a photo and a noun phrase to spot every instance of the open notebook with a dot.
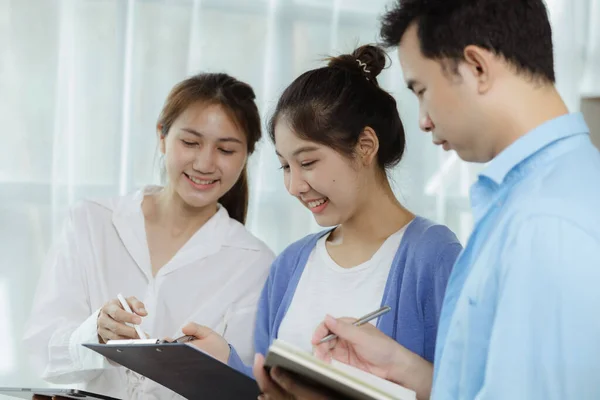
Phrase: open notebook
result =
(338, 377)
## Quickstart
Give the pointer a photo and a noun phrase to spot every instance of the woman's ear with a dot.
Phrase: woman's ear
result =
(367, 146)
(161, 138)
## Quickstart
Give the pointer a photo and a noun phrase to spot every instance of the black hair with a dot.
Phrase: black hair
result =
(517, 30)
(333, 105)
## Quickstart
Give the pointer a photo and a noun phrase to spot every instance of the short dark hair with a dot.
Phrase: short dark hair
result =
(238, 99)
(332, 106)
(517, 30)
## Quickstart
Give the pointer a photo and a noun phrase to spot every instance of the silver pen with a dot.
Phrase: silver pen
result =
(361, 321)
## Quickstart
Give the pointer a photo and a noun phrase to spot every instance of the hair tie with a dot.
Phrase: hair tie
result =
(363, 65)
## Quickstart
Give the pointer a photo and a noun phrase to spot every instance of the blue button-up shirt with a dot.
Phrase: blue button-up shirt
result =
(521, 316)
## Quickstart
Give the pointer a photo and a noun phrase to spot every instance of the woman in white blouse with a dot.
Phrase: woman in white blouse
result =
(179, 253)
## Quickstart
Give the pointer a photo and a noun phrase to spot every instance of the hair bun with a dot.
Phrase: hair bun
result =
(368, 60)
(374, 57)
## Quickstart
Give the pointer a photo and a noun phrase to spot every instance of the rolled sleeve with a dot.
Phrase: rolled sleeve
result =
(84, 358)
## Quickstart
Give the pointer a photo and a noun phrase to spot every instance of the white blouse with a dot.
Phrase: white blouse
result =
(215, 279)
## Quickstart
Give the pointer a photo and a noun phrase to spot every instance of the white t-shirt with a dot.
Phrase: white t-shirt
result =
(215, 279)
(326, 288)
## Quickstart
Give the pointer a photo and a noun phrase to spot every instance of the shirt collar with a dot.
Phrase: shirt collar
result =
(219, 228)
(529, 144)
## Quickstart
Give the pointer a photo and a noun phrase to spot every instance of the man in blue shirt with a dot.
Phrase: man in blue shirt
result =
(520, 318)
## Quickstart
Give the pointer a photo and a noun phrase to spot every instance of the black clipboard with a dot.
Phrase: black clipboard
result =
(27, 393)
(182, 368)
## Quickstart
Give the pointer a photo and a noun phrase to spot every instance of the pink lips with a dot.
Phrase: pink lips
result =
(445, 145)
(318, 209)
(201, 186)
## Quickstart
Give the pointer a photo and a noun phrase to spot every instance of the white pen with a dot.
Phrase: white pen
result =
(126, 307)
(361, 321)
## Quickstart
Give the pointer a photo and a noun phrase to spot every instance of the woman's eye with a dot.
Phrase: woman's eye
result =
(224, 151)
(307, 164)
(189, 144)
(285, 167)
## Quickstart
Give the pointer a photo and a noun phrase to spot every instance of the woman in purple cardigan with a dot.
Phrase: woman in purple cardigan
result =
(337, 133)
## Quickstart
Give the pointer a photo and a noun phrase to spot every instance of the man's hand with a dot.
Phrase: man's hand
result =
(364, 347)
(369, 349)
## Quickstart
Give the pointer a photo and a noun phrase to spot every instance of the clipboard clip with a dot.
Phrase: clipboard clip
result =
(182, 339)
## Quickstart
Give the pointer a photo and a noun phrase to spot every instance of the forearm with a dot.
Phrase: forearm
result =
(413, 372)
(68, 360)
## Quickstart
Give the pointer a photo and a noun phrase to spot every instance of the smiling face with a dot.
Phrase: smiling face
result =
(326, 182)
(205, 153)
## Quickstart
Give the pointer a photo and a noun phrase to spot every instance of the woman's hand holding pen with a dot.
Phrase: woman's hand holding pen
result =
(208, 340)
(112, 319)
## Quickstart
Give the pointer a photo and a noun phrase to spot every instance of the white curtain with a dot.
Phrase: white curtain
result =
(82, 83)
(576, 35)
(590, 82)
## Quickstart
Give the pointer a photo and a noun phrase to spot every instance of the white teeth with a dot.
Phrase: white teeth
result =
(200, 181)
(316, 203)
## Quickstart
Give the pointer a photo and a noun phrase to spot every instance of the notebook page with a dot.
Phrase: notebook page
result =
(385, 386)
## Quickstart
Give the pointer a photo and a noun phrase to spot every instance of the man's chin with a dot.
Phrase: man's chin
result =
(471, 157)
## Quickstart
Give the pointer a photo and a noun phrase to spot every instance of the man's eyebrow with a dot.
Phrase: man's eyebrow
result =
(410, 84)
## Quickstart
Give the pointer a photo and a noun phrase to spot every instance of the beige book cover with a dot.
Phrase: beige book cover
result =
(338, 377)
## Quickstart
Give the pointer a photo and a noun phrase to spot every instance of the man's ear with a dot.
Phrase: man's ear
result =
(480, 63)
